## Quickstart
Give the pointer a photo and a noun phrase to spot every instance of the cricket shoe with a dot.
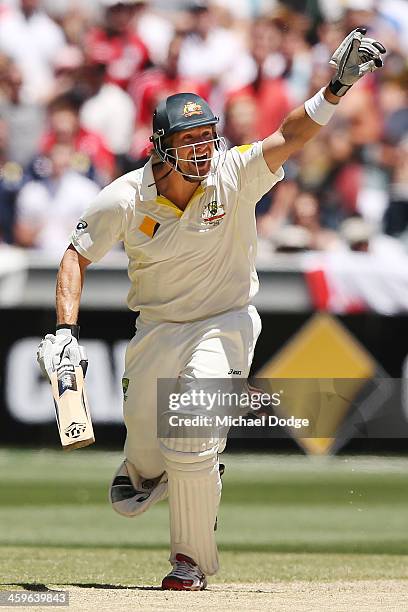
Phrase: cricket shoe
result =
(185, 576)
(130, 494)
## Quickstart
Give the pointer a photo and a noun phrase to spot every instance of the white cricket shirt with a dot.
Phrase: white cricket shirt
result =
(183, 266)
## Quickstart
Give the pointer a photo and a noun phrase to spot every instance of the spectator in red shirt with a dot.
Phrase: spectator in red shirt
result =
(156, 84)
(241, 121)
(65, 128)
(115, 44)
(270, 92)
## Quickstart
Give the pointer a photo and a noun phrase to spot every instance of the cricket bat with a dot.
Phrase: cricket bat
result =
(71, 406)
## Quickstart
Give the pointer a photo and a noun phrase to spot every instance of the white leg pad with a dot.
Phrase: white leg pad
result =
(130, 494)
(194, 495)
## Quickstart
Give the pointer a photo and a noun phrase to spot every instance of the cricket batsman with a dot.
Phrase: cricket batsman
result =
(187, 221)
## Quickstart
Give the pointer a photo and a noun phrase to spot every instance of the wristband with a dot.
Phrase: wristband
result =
(319, 109)
(74, 329)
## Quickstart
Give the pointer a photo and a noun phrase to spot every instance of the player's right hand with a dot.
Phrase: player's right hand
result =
(54, 348)
(356, 56)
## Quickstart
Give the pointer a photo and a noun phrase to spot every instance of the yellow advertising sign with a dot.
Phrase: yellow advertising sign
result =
(322, 349)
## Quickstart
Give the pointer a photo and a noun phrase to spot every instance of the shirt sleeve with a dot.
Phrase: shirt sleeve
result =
(101, 225)
(247, 168)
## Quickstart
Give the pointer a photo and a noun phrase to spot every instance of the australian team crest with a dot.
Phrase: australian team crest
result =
(213, 213)
(192, 108)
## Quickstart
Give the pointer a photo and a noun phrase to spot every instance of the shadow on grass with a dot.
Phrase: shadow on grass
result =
(43, 588)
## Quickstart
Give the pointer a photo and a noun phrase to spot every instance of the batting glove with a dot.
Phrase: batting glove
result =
(355, 57)
(63, 345)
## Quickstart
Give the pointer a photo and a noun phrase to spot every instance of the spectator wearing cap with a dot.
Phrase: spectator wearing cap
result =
(65, 128)
(357, 234)
(48, 209)
(292, 239)
(31, 38)
(107, 110)
(116, 45)
(361, 237)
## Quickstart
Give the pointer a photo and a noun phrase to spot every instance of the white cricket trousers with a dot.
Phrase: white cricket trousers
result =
(218, 347)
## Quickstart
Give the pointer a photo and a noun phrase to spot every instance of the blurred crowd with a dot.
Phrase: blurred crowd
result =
(79, 81)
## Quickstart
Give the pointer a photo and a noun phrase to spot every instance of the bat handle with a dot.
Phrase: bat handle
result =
(84, 365)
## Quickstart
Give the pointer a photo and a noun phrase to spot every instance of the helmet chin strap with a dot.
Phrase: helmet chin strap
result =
(160, 163)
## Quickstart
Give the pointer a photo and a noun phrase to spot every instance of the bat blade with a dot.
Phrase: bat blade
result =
(71, 407)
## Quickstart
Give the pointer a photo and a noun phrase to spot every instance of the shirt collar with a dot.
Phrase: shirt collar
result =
(148, 189)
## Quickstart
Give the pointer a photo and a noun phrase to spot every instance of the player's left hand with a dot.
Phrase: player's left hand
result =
(356, 56)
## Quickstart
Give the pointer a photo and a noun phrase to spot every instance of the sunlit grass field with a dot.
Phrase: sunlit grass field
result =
(282, 518)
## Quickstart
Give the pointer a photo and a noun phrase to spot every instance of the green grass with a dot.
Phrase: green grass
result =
(281, 518)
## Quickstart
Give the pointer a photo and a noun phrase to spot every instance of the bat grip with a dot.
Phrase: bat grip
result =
(84, 365)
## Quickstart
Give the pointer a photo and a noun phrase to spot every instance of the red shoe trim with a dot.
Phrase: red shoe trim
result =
(181, 557)
(175, 584)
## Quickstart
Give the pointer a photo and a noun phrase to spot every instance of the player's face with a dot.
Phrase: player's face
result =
(196, 149)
